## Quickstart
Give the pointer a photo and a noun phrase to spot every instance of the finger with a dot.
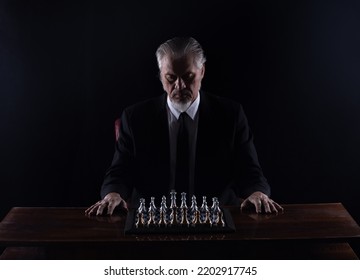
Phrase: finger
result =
(91, 209)
(278, 206)
(101, 208)
(257, 204)
(124, 205)
(244, 204)
(272, 207)
(88, 210)
(266, 206)
(111, 206)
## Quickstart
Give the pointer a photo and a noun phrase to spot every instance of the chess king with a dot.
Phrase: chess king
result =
(186, 139)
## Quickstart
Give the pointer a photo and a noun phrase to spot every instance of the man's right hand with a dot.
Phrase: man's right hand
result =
(110, 201)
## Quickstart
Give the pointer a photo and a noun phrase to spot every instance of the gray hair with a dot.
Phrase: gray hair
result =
(181, 46)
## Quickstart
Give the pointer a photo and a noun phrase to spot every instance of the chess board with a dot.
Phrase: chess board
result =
(132, 227)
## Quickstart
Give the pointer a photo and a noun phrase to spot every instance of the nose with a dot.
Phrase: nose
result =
(179, 84)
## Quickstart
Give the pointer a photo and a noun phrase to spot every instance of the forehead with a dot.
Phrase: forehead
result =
(178, 65)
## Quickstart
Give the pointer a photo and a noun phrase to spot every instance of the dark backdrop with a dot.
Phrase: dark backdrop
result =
(68, 69)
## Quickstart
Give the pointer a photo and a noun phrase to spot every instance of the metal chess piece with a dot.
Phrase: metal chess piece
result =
(204, 207)
(163, 212)
(214, 200)
(173, 208)
(184, 209)
(152, 212)
(215, 211)
(194, 212)
(173, 199)
(140, 213)
(142, 207)
(205, 213)
(183, 201)
(163, 203)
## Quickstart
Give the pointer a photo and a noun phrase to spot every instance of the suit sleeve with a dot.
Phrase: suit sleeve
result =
(118, 177)
(248, 175)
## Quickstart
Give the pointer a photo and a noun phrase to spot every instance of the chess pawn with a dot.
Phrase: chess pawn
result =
(183, 201)
(204, 207)
(217, 214)
(142, 207)
(152, 206)
(173, 199)
(205, 212)
(140, 213)
(163, 202)
(163, 212)
(193, 205)
(183, 210)
(173, 208)
(215, 211)
(194, 212)
(214, 200)
(152, 211)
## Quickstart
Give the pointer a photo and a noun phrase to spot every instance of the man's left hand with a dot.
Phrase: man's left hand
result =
(262, 203)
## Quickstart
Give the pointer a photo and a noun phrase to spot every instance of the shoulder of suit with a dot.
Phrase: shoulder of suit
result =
(147, 106)
(221, 101)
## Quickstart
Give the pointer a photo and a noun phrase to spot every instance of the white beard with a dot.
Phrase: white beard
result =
(182, 107)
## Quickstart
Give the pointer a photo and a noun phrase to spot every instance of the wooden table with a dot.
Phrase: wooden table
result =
(303, 231)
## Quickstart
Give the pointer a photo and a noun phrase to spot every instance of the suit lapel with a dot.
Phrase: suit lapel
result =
(161, 143)
(206, 127)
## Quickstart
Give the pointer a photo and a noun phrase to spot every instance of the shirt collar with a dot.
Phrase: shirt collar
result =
(191, 111)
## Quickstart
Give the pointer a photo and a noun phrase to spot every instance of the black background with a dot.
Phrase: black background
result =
(68, 69)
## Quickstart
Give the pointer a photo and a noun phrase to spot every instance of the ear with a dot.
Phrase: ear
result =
(161, 80)
(203, 71)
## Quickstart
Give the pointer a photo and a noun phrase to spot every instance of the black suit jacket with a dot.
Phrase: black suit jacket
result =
(226, 163)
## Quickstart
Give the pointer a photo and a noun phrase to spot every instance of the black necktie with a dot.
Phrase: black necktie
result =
(182, 156)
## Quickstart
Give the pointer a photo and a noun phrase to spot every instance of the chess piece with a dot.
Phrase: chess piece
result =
(140, 213)
(152, 212)
(194, 212)
(163, 203)
(173, 199)
(204, 207)
(173, 208)
(163, 212)
(214, 200)
(142, 207)
(215, 211)
(183, 201)
(204, 212)
(217, 214)
(184, 209)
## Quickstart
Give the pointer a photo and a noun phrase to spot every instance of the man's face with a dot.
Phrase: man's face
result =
(181, 79)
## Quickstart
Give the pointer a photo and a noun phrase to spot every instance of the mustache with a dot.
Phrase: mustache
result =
(183, 92)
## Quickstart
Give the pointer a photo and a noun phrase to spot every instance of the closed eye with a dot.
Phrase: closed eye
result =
(170, 78)
(188, 76)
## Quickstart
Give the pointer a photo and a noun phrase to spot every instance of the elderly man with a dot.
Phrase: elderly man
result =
(185, 139)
